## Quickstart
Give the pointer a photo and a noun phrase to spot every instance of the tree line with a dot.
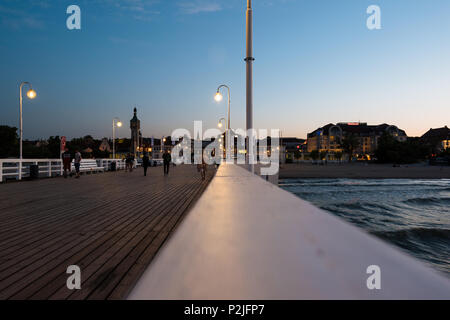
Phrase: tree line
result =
(50, 148)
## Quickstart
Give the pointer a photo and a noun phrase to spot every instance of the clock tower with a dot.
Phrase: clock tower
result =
(135, 126)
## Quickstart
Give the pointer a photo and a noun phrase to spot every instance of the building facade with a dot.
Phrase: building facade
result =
(329, 138)
(438, 138)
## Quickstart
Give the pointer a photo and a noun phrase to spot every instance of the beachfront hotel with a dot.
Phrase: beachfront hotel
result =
(328, 138)
(438, 138)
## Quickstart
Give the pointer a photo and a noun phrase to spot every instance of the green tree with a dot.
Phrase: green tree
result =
(53, 146)
(390, 150)
(349, 143)
(32, 150)
(323, 154)
(387, 150)
(9, 142)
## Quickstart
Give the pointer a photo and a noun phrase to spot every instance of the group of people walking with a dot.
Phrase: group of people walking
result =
(67, 159)
(167, 158)
(67, 163)
(129, 162)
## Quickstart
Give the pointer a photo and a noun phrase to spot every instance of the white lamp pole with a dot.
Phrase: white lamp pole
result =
(220, 126)
(31, 94)
(218, 98)
(115, 123)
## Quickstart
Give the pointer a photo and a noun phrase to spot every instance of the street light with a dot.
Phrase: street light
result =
(116, 123)
(220, 125)
(163, 141)
(31, 94)
(218, 97)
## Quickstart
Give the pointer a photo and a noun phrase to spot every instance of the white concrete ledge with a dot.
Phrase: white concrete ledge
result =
(249, 239)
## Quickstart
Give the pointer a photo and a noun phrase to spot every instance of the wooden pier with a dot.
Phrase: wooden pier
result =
(110, 225)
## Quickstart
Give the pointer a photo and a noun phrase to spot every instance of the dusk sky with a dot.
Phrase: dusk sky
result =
(316, 63)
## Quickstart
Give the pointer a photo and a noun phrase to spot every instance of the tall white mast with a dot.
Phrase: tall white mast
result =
(249, 64)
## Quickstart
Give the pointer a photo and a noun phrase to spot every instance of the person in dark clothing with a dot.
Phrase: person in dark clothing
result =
(129, 162)
(167, 158)
(202, 168)
(77, 162)
(145, 163)
(67, 160)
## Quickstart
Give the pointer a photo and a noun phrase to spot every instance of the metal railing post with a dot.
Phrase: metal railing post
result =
(20, 169)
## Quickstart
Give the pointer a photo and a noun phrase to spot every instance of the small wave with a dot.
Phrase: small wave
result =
(304, 194)
(431, 244)
(427, 201)
(362, 205)
(424, 233)
(363, 183)
(350, 205)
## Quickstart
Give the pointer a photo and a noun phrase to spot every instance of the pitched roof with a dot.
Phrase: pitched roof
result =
(359, 129)
(439, 133)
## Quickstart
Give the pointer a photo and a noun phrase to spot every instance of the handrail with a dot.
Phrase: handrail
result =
(270, 244)
(9, 168)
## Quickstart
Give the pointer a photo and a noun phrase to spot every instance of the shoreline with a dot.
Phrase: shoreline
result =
(362, 171)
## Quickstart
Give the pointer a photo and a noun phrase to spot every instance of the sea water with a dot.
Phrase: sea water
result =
(411, 214)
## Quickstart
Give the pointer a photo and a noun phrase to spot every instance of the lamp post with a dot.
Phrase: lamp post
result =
(220, 125)
(218, 97)
(163, 142)
(115, 123)
(31, 94)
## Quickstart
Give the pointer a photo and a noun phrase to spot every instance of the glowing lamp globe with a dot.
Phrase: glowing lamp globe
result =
(31, 94)
(218, 97)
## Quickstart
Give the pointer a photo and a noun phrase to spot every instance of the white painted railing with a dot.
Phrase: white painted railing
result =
(17, 169)
(248, 239)
(106, 163)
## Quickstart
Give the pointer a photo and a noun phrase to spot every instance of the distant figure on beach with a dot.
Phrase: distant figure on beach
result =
(145, 163)
(77, 162)
(167, 158)
(67, 160)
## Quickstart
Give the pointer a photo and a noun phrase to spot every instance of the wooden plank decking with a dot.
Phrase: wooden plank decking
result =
(111, 225)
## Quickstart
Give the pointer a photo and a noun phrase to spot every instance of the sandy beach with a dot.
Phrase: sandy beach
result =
(363, 171)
